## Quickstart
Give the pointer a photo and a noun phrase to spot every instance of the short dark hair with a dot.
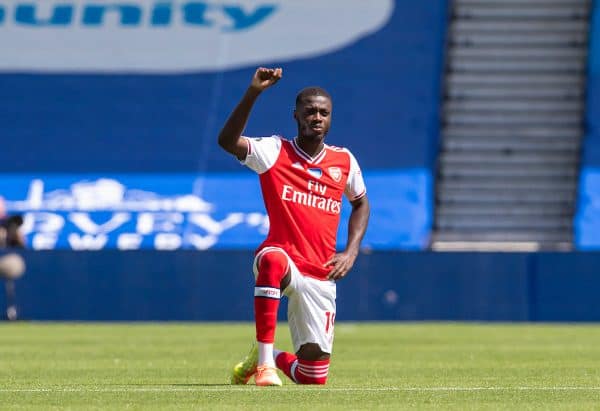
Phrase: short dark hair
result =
(311, 92)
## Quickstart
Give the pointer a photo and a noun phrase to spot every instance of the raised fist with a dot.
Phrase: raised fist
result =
(264, 77)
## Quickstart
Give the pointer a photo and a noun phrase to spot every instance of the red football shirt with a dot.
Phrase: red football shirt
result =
(303, 198)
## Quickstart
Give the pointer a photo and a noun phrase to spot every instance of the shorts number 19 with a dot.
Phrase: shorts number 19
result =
(330, 320)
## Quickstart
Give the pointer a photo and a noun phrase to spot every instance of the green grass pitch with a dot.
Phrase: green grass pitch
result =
(375, 366)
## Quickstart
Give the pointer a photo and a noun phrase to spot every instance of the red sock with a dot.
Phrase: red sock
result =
(285, 361)
(272, 267)
(312, 372)
(303, 371)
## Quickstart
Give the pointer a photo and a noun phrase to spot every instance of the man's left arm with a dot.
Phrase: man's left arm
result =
(357, 226)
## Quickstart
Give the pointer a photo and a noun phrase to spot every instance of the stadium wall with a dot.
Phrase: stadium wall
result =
(185, 285)
(96, 133)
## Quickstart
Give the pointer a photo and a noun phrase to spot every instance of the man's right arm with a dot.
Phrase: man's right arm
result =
(230, 137)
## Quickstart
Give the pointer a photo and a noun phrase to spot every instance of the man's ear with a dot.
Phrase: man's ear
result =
(295, 115)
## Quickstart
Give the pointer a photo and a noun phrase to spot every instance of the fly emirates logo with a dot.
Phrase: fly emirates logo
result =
(314, 197)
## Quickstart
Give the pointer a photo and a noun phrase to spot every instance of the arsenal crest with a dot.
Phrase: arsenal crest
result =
(335, 173)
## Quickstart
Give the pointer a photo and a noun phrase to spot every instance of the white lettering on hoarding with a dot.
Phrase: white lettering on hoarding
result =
(87, 241)
(44, 241)
(129, 241)
(89, 216)
(216, 227)
(85, 223)
(185, 35)
(200, 242)
(152, 222)
(259, 220)
(42, 222)
(167, 241)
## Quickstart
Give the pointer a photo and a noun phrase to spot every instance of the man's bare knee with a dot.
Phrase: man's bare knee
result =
(312, 352)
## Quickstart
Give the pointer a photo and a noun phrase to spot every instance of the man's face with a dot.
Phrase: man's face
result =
(313, 115)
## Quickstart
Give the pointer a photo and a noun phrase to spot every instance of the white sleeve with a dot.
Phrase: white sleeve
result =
(262, 153)
(355, 185)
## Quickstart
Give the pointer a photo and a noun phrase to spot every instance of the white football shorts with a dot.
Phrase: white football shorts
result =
(311, 306)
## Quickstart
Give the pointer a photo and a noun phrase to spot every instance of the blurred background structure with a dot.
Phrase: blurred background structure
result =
(475, 123)
(515, 84)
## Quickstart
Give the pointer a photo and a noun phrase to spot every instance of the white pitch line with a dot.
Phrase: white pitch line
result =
(289, 389)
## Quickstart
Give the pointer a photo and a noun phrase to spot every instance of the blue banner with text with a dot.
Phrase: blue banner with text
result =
(191, 211)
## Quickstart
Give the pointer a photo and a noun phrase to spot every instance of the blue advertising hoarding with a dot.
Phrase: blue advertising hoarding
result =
(127, 98)
(187, 211)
